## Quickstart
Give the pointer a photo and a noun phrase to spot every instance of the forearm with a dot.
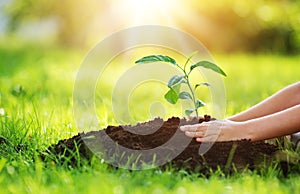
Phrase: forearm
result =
(278, 124)
(285, 98)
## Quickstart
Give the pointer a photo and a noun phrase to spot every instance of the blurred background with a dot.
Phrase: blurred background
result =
(222, 25)
(44, 42)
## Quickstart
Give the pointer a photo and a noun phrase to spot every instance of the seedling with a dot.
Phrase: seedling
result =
(175, 82)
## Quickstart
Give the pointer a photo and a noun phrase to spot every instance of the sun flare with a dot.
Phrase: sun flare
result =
(139, 12)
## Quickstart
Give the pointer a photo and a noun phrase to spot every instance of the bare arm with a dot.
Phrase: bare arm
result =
(285, 98)
(278, 124)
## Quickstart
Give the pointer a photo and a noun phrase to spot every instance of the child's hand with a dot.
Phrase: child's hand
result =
(218, 130)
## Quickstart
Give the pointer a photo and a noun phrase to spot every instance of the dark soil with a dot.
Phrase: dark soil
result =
(228, 156)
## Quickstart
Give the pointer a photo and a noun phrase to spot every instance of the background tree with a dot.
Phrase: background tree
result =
(225, 25)
(253, 26)
(74, 17)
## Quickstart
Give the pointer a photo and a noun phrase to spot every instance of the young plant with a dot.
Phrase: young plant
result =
(175, 82)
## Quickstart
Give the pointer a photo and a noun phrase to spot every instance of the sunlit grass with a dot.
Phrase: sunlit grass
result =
(41, 113)
(252, 78)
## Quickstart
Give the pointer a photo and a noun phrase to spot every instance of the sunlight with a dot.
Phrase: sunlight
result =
(148, 12)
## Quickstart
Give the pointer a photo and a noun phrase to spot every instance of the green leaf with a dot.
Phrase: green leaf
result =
(188, 112)
(185, 95)
(176, 79)
(202, 84)
(208, 65)
(176, 88)
(171, 96)
(199, 104)
(156, 58)
(189, 58)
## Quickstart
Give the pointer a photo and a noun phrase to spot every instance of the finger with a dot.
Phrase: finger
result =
(211, 138)
(194, 134)
(196, 127)
(186, 127)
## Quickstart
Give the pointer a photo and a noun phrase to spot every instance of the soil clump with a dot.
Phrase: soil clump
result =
(158, 141)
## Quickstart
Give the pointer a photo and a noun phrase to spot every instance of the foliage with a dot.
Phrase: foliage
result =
(73, 17)
(255, 26)
(223, 25)
(176, 81)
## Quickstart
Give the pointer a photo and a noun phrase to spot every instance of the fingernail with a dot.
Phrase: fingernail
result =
(181, 128)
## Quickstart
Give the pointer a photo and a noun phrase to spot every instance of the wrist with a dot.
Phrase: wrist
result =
(248, 129)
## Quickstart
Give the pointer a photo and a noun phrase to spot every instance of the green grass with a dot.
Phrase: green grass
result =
(41, 113)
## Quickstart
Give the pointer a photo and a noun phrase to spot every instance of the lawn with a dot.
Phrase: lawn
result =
(36, 86)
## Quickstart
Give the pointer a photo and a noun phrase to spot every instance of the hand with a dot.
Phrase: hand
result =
(218, 130)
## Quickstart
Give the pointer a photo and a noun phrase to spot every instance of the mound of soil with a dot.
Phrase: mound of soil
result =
(158, 141)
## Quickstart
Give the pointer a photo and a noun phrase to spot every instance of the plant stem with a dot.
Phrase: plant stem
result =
(192, 92)
(188, 83)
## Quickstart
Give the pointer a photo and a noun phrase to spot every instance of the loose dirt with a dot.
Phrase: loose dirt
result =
(107, 143)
